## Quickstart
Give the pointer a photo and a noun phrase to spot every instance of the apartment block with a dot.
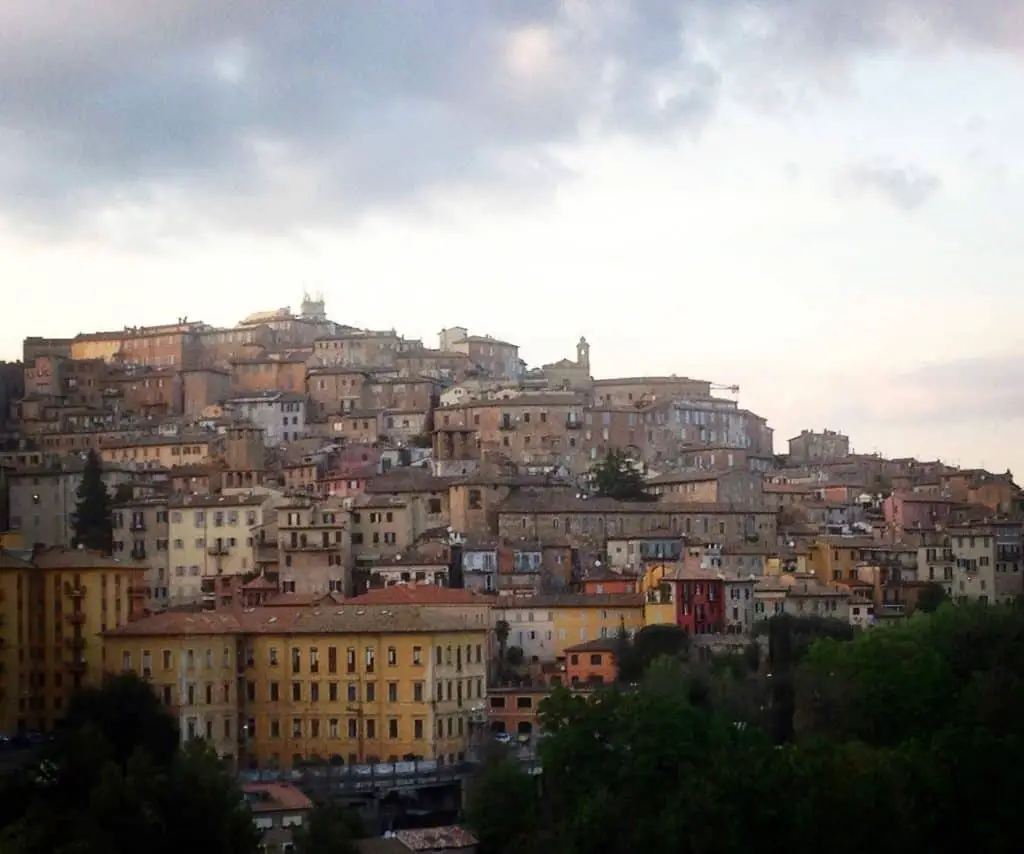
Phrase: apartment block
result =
(54, 608)
(273, 687)
(42, 499)
(211, 539)
(142, 533)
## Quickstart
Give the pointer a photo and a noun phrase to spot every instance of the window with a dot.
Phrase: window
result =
(371, 692)
(296, 660)
(392, 728)
(332, 659)
(167, 659)
(371, 729)
(392, 657)
(314, 660)
(332, 692)
(350, 664)
(274, 692)
(275, 728)
(273, 656)
(352, 692)
(296, 692)
(353, 728)
(417, 655)
(392, 692)
(332, 728)
(370, 656)
(296, 727)
(417, 729)
(417, 692)
(126, 660)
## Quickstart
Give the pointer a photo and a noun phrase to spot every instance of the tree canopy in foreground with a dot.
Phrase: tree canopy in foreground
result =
(907, 739)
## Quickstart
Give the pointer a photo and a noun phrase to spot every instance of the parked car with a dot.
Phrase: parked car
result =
(502, 738)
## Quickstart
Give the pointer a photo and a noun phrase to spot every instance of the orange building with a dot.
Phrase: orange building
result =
(591, 663)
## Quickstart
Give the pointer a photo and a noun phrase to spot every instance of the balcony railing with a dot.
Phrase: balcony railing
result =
(75, 643)
(76, 665)
(507, 425)
(219, 550)
(137, 525)
(76, 618)
(573, 424)
(73, 591)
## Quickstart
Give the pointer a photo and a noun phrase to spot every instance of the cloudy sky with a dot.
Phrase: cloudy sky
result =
(818, 200)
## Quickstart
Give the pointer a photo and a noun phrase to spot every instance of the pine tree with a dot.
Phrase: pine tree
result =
(93, 523)
(616, 477)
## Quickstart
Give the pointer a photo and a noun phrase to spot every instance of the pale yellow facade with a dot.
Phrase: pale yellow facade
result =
(210, 537)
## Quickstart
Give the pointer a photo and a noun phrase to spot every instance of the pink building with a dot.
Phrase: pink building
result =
(911, 510)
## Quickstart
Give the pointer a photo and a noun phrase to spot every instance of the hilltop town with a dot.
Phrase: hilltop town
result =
(340, 542)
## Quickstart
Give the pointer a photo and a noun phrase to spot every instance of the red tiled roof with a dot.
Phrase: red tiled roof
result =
(271, 797)
(420, 594)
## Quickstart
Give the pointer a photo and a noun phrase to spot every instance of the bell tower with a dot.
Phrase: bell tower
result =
(583, 353)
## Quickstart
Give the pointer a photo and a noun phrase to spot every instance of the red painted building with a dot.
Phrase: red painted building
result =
(699, 597)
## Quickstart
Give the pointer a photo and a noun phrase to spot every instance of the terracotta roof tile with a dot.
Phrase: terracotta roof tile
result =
(350, 617)
(420, 594)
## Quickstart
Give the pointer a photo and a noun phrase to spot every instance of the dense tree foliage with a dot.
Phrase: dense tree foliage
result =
(634, 655)
(116, 780)
(617, 477)
(330, 829)
(931, 597)
(902, 739)
(92, 520)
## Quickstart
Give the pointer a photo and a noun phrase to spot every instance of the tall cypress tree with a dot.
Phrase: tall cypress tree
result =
(94, 528)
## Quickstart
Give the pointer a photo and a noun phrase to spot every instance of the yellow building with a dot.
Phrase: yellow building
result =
(543, 626)
(364, 684)
(161, 451)
(53, 610)
(12, 540)
(837, 558)
(210, 537)
(658, 605)
(791, 561)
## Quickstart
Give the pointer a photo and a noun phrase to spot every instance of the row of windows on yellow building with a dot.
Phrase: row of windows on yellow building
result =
(275, 686)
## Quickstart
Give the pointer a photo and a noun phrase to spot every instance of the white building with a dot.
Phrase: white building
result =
(281, 415)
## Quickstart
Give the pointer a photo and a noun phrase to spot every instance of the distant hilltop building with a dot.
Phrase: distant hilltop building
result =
(811, 447)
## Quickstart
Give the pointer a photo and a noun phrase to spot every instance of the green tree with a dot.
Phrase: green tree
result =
(931, 598)
(330, 829)
(502, 804)
(116, 780)
(647, 645)
(616, 477)
(92, 519)
(515, 656)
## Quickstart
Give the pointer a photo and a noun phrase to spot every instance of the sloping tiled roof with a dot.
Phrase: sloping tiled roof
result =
(420, 594)
(350, 618)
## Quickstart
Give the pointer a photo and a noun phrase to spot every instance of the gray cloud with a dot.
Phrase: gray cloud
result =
(987, 389)
(271, 115)
(907, 187)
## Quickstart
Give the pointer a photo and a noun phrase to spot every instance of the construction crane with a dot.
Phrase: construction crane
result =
(732, 389)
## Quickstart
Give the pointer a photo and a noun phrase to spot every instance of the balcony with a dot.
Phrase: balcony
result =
(137, 525)
(74, 592)
(311, 546)
(76, 618)
(573, 424)
(507, 425)
(75, 643)
(76, 665)
(218, 550)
